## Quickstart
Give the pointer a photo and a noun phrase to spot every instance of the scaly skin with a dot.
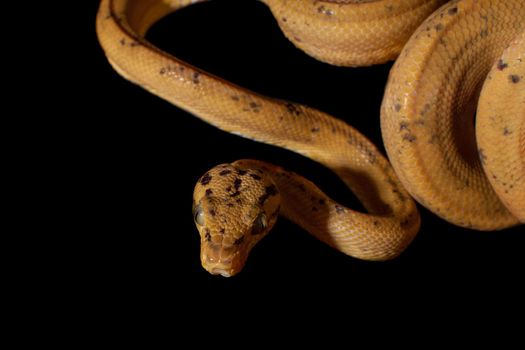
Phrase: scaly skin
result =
(351, 32)
(500, 127)
(236, 205)
(429, 103)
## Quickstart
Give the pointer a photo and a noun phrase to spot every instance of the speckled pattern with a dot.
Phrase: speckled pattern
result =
(429, 80)
(383, 233)
(351, 33)
(500, 127)
(429, 103)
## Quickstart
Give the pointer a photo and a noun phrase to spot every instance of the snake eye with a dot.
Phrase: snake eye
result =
(198, 215)
(259, 224)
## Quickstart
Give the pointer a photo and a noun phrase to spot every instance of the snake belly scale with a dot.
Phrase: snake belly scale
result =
(235, 205)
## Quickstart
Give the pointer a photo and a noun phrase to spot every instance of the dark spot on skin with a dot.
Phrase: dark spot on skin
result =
(122, 41)
(334, 130)
(389, 7)
(228, 189)
(196, 76)
(315, 130)
(514, 78)
(255, 177)
(506, 131)
(212, 212)
(376, 223)
(231, 205)
(237, 184)
(284, 19)
(209, 192)
(269, 191)
(222, 231)
(403, 126)
(162, 71)
(235, 98)
(255, 107)
(238, 201)
(239, 240)
(293, 109)
(502, 65)
(207, 235)
(398, 194)
(324, 10)
(438, 27)
(397, 107)
(425, 109)
(225, 172)
(405, 222)
(205, 179)
(339, 209)
(452, 11)
(242, 172)
(322, 201)
(370, 156)
(409, 137)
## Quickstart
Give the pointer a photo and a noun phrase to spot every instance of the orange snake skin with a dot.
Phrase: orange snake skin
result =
(470, 176)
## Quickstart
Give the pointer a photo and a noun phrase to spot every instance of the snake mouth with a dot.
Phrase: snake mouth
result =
(220, 271)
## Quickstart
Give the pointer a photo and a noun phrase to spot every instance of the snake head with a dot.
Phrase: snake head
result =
(234, 207)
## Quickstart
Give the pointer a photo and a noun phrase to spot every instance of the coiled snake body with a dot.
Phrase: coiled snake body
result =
(426, 121)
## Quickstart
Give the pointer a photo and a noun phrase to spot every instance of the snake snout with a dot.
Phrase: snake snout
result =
(220, 271)
(219, 268)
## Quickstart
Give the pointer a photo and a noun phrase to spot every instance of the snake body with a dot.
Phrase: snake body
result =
(235, 205)
(429, 103)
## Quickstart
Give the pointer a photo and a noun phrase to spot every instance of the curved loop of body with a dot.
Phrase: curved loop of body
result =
(418, 122)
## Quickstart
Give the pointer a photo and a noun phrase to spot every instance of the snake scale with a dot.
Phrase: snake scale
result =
(448, 56)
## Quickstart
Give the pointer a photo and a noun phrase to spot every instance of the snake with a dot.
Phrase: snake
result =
(463, 160)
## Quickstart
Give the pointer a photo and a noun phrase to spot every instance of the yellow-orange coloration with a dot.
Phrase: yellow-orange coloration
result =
(351, 32)
(500, 127)
(236, 205)
(429, 104)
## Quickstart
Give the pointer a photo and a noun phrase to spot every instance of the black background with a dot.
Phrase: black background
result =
(146, 156)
